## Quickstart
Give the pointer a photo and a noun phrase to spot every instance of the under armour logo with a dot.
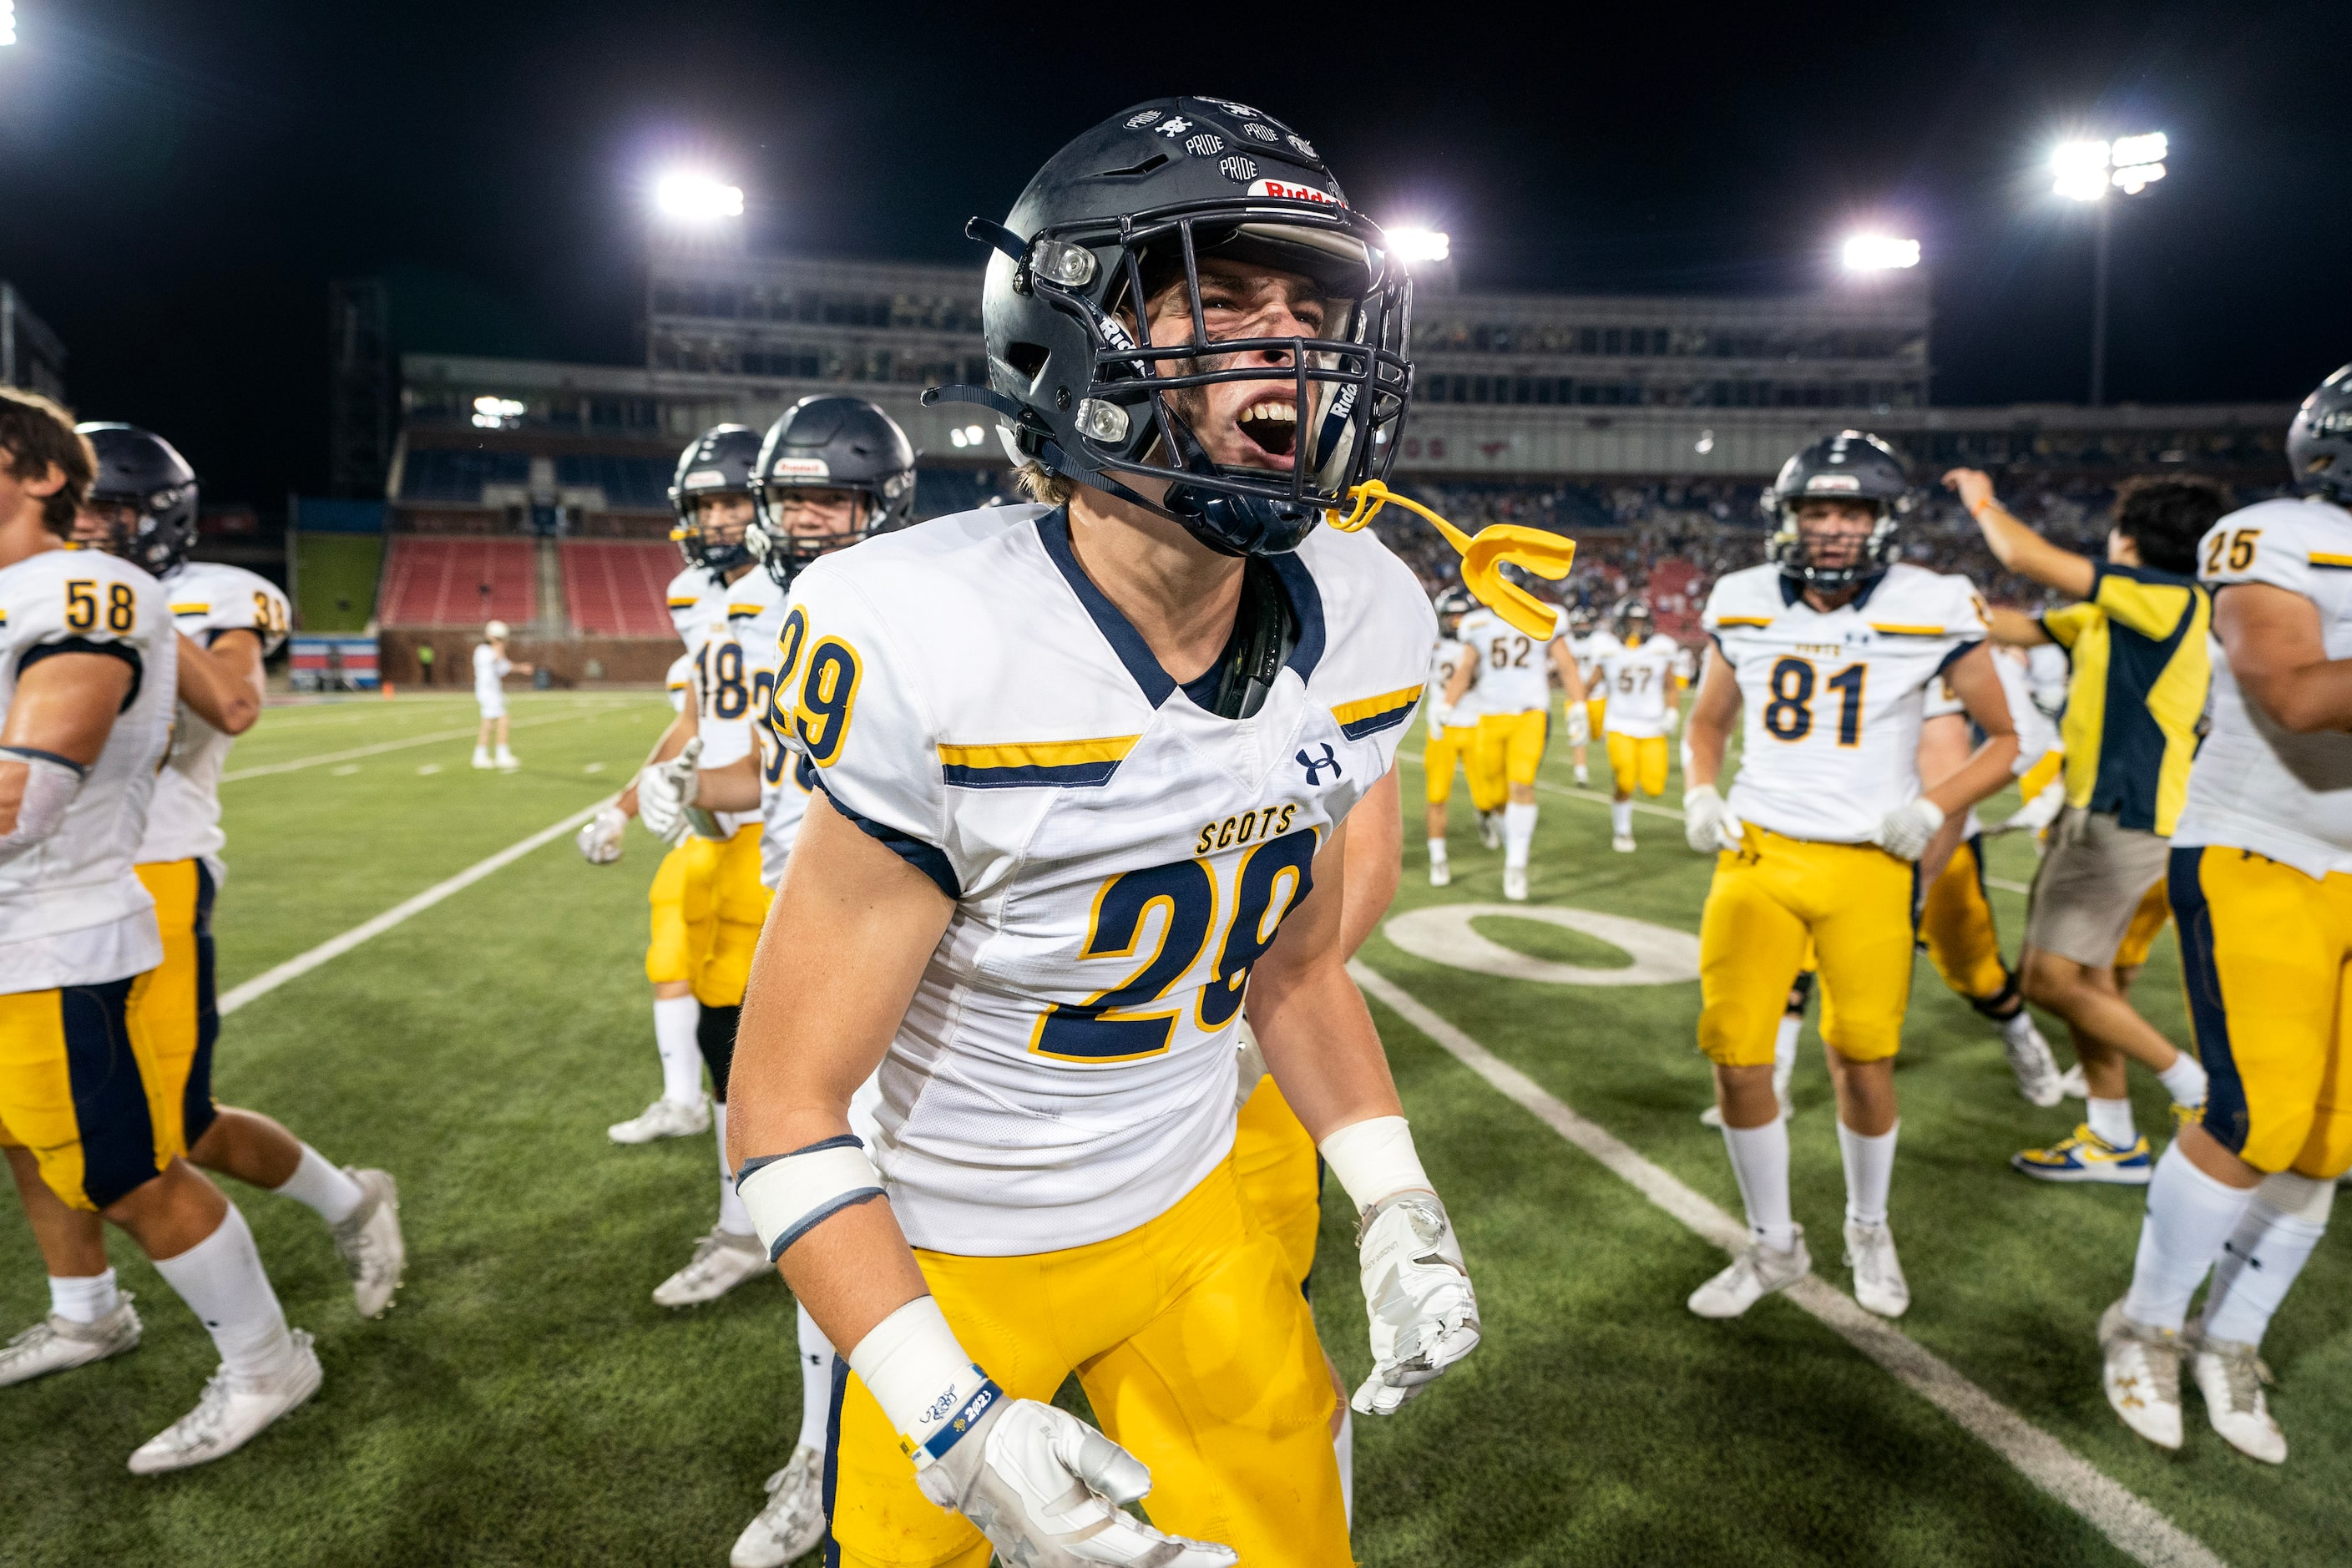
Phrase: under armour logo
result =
(1315, 768)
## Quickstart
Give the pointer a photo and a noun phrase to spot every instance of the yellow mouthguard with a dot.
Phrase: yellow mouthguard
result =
(1547, 554)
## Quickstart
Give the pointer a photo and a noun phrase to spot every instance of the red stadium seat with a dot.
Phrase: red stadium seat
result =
(439, 583)
(614, 588)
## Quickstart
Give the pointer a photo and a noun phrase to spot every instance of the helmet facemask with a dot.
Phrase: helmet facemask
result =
(704, 542)
(1873, 551)
(787, 554)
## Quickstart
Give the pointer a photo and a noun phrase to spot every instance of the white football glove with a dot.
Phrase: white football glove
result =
(2036, 814)
(1441, 715)
(1424, 1315)
(1904, 832)
(600, 840)
(1708, 825)
(1579, 724)
(664, 791)
(1046, 1490)
(1673, 718)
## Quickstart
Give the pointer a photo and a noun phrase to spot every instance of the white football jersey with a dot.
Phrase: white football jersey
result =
(72, 911)
(2048, 671)
(2255, 785)
(1514, 669)
(1118, 857)
(1443, 663)
(1639, 683)
(1831, 736)
(490, 667)
(1586, 651)
(689, 597)
(679, 682)
(2036, 735)
(207, 600)
(738, 641)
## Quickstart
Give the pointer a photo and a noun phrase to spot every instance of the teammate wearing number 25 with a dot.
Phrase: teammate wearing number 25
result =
(1831, 648)
(1083, 772)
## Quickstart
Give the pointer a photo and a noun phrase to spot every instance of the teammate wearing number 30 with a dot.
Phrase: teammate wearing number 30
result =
(1830, 648)
(1082, 774)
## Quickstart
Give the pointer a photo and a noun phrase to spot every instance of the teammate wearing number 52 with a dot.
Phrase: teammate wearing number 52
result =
(1083, 772)
(1513, 701)
(1830, 648)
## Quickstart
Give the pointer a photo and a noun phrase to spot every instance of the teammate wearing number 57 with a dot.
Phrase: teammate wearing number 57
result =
(1083, 773)
(1830, 648)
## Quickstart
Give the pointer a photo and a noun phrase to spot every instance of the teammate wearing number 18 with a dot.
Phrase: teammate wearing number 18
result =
(1830, 648)
(1019, 722)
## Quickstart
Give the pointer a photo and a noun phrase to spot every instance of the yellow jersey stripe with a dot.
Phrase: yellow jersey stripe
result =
(686, 604)
(1902, 631)
(192, 610)
(1743, 621)
(1022, 764)
(2329, 559)
(1370, 715)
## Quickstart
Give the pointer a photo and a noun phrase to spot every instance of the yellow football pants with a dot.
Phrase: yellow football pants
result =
(1596, 710)
(2147, 924)
(1852, 901)
(1458, 743)
(1198, 1354)
(2266, 953)
(1511, 747)
(1638, 761)
(1956, 922)
(680, 898)
(708, 907)
(1280, 1174)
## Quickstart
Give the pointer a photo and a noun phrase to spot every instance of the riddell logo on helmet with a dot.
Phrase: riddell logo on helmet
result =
(802, 469)
(1833, 482)
(1288, 192)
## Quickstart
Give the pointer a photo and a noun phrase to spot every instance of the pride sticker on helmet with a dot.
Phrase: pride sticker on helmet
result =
(801, 469)
(1289, 192)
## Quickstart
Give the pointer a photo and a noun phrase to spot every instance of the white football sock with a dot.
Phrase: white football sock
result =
(318, 1186)
(1784, 1046)
(2112, 1121)
(2190, 1215)
(1519, 832)
(1620, 818)
(733, 1218)
(816, 1381)
(1760, 1161)
(682, 1059)
(2260, 1261)
(1343, 1445)
(1869, 1173)
(1437, 851)
(2184, 1079)
(2018, 1025)
(221, 1280)
(83, 1299)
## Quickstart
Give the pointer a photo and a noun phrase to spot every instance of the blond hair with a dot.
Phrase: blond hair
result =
(1043, 486)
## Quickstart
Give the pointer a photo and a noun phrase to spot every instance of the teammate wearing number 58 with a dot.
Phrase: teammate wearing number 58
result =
(1082, 777)
(1830, 648)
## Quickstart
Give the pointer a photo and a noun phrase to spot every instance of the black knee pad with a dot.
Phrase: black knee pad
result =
(2003, 1005)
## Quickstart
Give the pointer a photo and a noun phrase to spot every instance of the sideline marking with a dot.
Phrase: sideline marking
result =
(382, 746)
(2121, 1515)
(269, 980)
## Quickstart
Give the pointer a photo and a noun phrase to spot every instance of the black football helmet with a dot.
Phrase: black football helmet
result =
(1848, 466)
(829, 443)
(1580, 621)
(147, 493)
(719, 462)
(2319, 442)
(1634, 622)
(1451, 607)
(1133, 206)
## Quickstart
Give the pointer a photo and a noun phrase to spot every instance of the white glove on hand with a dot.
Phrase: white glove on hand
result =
(1424, 1315)
(664, 791)
(1708, 825)
(2036, 814)
(1045, 1489)
(1441, 715)
(1904, 832)
(1579, 724)
(600, 840)
(1673, 718)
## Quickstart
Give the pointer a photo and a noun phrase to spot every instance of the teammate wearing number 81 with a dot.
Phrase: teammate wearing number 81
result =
(1830, 648)
(1083, 772)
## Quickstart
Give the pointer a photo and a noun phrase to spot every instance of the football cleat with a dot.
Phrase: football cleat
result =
(232, 1413)
(482, 757)
(1440, 872)
(2231, 1376)
(505, 760)
(793, 1523)
(1490, 829)
(1879, 1283)
(2029, 1059)
(60, 1344)
(2088, 1157)
(369, 1243)
(1623, 843)
(1514, 884)
(722, 1261)
(2071, 1084)
(2142, 1377)
(665, 1117)
(1583, 776)
(1756, 1273)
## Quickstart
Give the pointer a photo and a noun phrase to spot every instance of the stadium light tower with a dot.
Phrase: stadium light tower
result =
(2100, 174)
(1879, 253)
(7, 22)
(1413, 244)
(695, 199)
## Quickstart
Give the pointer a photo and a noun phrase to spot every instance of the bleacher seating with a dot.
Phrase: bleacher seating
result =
(430, 582)
(637, 482)
(457, 475)
(615, 589)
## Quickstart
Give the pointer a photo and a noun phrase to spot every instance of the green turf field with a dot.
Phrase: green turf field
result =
(526, 1403)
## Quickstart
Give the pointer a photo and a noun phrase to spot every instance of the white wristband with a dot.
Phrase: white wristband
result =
(789, 1194)
(1374, 1160)
(918, 1372)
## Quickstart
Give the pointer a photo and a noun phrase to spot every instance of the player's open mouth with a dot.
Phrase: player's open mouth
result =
(1271, 426)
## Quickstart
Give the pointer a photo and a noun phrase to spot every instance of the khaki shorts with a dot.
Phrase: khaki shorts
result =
(2092, 878)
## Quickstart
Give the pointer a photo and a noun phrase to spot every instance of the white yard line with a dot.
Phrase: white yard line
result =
(269, 980)
(2136, 1528)
(381, 747)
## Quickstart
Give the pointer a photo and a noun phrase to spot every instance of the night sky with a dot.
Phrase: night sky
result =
(179, 183)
